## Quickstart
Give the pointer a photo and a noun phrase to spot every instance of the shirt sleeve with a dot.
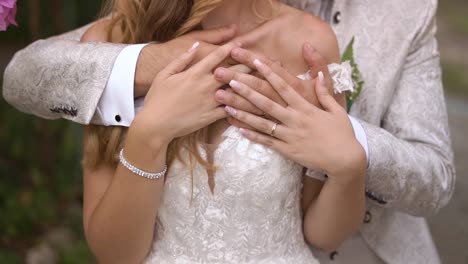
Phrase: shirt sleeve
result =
(116, 106)
(360, 134)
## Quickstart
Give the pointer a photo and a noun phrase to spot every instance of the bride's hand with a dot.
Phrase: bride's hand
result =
(315, 138)
(181, 99)
(306, 89)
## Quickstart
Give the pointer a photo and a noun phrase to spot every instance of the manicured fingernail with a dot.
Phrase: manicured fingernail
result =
(321, 78)
(236, 53)
(244, 132)
(220, 72)
(235, 85)
(230, 110)
(194, 46)
(259, 64)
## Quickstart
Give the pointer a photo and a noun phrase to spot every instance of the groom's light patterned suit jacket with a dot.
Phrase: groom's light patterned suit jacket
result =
(411, 173)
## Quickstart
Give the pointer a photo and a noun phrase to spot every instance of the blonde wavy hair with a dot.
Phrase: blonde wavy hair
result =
(142, 21)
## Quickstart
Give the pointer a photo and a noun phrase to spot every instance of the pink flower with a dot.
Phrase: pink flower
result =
(7, 14)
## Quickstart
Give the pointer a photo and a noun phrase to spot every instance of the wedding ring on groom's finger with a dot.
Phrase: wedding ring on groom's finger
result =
(273, 129)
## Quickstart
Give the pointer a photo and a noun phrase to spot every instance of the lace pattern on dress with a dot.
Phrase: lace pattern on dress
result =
(253, 215)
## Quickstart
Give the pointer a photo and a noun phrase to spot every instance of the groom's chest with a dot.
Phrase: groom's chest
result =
(383, 33)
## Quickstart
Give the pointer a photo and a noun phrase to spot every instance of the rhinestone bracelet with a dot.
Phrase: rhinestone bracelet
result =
(135, 170)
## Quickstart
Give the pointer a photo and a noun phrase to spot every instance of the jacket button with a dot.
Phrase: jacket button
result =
(337, 17)
(118, 118)
(367, 217)
(333, 255)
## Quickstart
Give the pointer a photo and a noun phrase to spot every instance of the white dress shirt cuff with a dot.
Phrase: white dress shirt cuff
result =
(116, 106)
(360, 135)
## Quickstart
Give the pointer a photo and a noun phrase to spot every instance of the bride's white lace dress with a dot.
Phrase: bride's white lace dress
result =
(252, 216)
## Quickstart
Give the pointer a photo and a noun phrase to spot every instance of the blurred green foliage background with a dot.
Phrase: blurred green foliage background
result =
(40, 176)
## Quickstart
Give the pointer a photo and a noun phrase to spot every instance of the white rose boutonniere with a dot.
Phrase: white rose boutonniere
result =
(341, 75)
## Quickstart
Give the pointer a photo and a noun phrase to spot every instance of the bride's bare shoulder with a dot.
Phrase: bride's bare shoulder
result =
(99, 32)
(302, 27)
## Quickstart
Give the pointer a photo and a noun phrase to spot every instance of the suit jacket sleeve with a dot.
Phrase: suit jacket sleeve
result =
(60, 77)
(411, 160)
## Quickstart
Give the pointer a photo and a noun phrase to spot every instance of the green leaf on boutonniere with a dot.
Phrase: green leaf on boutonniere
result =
(358, 83)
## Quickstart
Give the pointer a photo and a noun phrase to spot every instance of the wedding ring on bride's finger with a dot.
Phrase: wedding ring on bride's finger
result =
(273, 129)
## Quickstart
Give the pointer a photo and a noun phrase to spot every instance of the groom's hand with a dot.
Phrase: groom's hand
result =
(155, 57)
